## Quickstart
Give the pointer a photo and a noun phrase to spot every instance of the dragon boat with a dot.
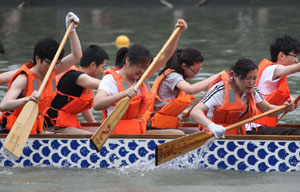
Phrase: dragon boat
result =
(264, 153)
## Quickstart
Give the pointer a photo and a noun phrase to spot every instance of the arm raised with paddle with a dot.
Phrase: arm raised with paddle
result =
(133, 68)
(23, 120)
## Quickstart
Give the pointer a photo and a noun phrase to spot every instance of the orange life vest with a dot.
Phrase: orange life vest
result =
(8, 118)
(277, 97)
(131, 122)
(229, 112)
(67, 114)
(167, 116)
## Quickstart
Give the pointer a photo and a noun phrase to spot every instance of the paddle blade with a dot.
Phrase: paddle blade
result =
(104, 131)
(177, 147)
(180, 146)
(17, 137)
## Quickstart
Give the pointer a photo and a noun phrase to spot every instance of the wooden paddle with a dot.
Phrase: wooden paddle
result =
(104, 131)
(18, 135)
(295, 102)
(182, 145)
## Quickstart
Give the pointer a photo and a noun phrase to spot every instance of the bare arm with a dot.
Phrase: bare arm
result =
(87, 81)
(88, 116)
(170, 49)
(282, 70)
(196, 87)
(13, 98)
(265, 106)
(72, 58)
(197, 114)
(6, 76)
(103, 100)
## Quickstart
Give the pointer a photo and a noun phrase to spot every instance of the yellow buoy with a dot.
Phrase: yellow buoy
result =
(122, 41)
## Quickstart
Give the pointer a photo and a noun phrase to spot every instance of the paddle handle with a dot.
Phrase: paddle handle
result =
(53, 63)
(153, 63)
(255, 117)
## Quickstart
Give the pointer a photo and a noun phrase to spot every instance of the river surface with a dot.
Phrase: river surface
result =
(222, 34)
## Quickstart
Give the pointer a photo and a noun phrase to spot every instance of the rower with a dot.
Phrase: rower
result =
(118, 83)
(26, 81)
(75, 93)
(232, 97)
(173, 92)
(273, 84)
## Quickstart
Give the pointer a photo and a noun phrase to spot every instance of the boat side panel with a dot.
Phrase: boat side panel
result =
(243, 155)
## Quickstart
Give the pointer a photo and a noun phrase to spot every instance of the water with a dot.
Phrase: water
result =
(53, 179)
(223, 35)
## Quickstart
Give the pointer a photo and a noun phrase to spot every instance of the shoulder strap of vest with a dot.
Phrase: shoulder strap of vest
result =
(223, 76)
(25, 68)
(261, 67)
(121, 83)
(73, 68)
(158, 81)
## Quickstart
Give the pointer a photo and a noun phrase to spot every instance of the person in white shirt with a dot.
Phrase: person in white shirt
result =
(118, 83)
(273, 84)
(233, 97)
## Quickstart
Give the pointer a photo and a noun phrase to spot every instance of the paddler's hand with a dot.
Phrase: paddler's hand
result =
(131, 92)
(293, 100)
(184, 116)
(290, 104)
(217, 130)
(72, 17)
(182, 24)
(35, 96)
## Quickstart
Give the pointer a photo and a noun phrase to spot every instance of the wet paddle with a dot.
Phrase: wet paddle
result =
(104, 131)
(18, 135)
(182, 145)
(295, 102)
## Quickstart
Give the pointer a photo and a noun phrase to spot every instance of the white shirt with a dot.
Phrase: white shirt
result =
(266, 85)
(215, 97)
(167, 89)
(109, 85)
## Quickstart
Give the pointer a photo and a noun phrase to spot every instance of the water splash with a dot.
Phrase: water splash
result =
(193, 160)
(140, 167)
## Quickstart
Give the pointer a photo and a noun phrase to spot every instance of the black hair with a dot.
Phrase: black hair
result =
(137, 54)
(284, 44)
(242, 67)
(46, 49)
(93, 53)
(2, 51)
(189, 56)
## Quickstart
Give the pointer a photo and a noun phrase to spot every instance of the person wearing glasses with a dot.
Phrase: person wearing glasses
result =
(272, 81)
(24, 84)
(232, 97)
(173, 92)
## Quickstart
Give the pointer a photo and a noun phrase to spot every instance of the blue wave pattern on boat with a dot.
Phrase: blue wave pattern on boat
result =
(260, 156)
